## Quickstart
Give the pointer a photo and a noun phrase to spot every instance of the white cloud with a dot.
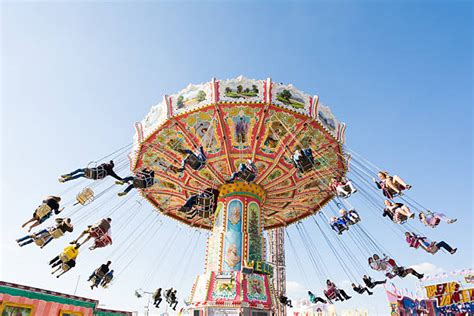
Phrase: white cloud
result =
(427, 268)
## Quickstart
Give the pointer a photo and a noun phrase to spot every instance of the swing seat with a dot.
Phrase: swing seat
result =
(40, 242)
(102, 242)
(43, 210)
(193, 161)
(57, 233)
(248, 175)
(143, 182)
(95, 173)
(330, 295)
(305, 163)
(97, 232)
(85, 197)
(63, 258)
(205, 202)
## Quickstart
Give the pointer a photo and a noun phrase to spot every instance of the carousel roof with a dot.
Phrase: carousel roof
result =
(235, 120)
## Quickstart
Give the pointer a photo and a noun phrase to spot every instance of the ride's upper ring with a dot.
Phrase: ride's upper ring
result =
(235, 120)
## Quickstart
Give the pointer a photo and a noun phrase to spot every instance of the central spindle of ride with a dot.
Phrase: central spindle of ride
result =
(237, 278)
(236, 240)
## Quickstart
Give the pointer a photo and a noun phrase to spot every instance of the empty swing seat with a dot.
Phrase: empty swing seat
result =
(85, 196)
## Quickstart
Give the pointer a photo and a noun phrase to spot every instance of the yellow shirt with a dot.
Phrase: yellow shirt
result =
(71, 252)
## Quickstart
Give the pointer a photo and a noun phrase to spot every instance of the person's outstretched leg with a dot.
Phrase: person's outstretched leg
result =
(379, 282)
(54, 260)
(319, 299)
(444, 218)
(399, 181)
(344, 294)
(392, 186)
(79, 173)
(29, 221)
(158, 302)
(444, 245)
(26, 242)
(412, 271)
(24, 238)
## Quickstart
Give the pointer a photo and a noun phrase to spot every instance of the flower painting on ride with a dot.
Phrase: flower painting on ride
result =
(233, 237)
(224, 289)
(253, 229)
(256, 288)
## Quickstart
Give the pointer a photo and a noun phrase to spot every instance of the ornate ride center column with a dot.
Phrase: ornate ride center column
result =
(237, 278)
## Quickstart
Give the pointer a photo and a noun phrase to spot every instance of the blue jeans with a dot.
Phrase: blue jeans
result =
(28, 239)
(79, 173)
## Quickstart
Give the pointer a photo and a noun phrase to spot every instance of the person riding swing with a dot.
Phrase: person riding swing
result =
(247, 172)
(144, 179)
(203, 203)
(303, 160)
(96, 173)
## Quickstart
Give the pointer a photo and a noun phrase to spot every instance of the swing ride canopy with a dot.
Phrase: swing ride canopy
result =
(235, 120)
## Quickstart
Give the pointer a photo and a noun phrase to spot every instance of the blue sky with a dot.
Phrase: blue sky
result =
(75, 76)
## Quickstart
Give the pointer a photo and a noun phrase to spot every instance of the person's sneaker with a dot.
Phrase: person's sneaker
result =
(408, 187)
(370, 293)
(119, 182)
(121, 193)
(65, 176)
(61, 180)
(412, 215)
(453, 251)
(450, 221)
(420, 276)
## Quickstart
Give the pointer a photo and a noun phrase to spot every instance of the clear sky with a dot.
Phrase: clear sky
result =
(75, 76)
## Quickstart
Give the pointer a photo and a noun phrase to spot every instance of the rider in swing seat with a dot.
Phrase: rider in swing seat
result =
(339, 225)
(96, 231)
(204, 202)
(44, 237)
(391, 186)
(303, 159)
(196, 160)
(107, 279)
(96, 173)
(247, 172)
(342, 188)
(98, 274)
(316, 299)
(434, 219)
(44, 211)
(144, 179)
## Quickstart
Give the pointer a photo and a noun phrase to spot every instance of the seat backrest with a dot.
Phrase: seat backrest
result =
(85, 196)
(43, 210)
(57, 233)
